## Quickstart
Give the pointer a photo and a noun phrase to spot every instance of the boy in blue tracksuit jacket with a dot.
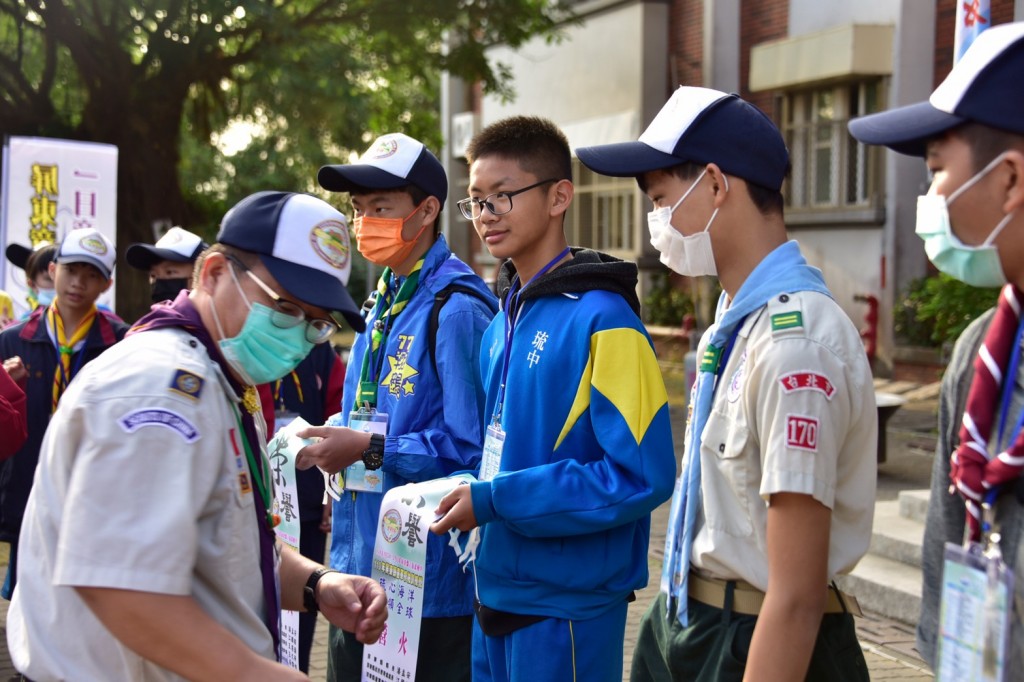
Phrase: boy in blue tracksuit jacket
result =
(81, 272)
(426, 384)
(579, 446)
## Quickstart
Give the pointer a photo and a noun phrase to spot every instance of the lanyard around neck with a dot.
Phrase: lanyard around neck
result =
(511, 315)
(260, 474)
(1009, 382)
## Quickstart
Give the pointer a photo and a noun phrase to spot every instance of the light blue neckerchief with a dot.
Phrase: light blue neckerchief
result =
(784, 270)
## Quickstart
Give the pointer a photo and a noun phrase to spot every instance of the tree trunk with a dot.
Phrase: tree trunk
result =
(147, 175)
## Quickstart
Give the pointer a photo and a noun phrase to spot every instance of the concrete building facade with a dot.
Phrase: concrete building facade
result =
(809, 64)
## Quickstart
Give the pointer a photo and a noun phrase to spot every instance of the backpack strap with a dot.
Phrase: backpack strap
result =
(440, 298)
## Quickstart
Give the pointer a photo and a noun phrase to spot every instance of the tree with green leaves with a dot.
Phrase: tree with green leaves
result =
(169, 82)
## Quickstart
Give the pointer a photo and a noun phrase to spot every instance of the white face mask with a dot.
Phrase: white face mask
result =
(690, 256)
(978, 266)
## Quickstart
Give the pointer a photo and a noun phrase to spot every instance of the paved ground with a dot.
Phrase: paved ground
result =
(888, 645)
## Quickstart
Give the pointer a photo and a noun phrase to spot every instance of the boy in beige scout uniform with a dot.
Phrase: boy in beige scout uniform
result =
(778, 482)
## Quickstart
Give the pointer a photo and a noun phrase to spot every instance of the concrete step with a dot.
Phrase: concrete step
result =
(894, 536)
(886, 587)
(914, 504)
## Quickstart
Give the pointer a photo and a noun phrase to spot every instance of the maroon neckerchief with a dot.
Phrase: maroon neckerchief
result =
(972, 470)
(182, 313)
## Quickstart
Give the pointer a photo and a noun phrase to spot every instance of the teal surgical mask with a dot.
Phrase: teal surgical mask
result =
(262, 352)
(45, 296)
(978, 266)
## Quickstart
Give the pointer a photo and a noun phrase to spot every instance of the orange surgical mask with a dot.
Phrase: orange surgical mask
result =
(380, 239)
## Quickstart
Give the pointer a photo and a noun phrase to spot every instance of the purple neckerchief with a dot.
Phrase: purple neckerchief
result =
(183, 314)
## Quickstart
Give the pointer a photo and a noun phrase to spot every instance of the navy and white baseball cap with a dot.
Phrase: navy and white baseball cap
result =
(304, 243)
(177, 245)
(18, 254)
(88, 245)
(700, 125)
(986, 86)
(392, 161)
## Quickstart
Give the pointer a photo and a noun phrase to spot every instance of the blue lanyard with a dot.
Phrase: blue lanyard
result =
(1009, 381)
(511, 315)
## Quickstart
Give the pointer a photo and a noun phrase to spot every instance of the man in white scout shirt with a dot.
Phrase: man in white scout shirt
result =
(778, 484)
(149, 549)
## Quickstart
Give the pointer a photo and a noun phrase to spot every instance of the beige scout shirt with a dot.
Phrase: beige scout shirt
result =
(794, 411)
(137, 488)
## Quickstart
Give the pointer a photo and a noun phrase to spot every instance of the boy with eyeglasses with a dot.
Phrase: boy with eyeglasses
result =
(579, 446)
(149, 542)
(414, 371)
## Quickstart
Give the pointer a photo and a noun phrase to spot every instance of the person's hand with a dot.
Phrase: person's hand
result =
(325, 518)
(456, 510)
(354, 603)
(271, 671)
(16, 368)
(338, 447)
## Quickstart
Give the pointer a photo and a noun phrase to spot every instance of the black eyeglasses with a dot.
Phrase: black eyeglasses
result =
(498, 203)
(287, 314)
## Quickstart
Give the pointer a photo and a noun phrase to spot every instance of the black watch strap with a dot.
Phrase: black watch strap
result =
(309, 600)
(373, 455)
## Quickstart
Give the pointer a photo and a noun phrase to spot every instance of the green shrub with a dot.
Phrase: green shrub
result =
(666, 305)
(936, 309)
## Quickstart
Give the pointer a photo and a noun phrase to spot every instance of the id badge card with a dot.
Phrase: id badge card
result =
(357, 477)
(974, 616)
(494, 442)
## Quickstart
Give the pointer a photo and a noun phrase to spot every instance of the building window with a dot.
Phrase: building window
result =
(604, 212)
(832, 172)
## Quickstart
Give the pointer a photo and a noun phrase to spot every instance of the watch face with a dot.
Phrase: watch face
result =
(373, 459)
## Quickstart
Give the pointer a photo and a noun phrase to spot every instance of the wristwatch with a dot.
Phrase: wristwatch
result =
(373, 455)
(309, 600)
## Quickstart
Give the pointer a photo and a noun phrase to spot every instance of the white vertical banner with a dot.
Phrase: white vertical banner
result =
(399, 565)
(50, 187)
(282, 451)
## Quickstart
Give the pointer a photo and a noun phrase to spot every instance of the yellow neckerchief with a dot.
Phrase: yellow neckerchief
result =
(278, 402)
(65, 347)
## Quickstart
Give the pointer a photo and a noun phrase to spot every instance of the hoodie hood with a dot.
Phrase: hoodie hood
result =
(588, 270)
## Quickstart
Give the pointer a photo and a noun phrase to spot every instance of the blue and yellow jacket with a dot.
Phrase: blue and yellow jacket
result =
(29, 340)
(435, 420)
(588, 452)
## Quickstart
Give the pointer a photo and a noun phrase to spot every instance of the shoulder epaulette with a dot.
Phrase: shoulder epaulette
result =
(786, 315)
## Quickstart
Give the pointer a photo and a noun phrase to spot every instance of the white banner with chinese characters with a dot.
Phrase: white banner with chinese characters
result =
(399, 564)
(282, 450)
(50, 187)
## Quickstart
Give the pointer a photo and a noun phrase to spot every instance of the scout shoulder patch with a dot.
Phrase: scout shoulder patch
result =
(158, 416)
(791, 320)
(785, 314)
(807, 381)
(802, 432)
(186, 383)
